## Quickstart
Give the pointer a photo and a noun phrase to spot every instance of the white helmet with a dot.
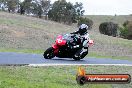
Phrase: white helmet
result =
(83, 28)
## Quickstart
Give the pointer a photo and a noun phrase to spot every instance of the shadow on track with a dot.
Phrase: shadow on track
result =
(67, 59)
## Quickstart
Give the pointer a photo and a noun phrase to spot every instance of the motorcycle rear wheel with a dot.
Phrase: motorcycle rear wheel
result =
(49, 53)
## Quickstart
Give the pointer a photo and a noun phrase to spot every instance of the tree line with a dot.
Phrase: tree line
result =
(60, 11)
(30, 7)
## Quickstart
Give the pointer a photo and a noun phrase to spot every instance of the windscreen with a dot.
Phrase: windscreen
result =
(67, 37)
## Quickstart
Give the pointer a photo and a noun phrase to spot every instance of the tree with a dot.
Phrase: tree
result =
(12, 5)
(68, 16)
(57, 11)
(21, 9)
(45, 7)
(35, 7)
(126, 30)
(40, 7)
(79, 10)
(25, 7)
(3, 4)
(66, 12)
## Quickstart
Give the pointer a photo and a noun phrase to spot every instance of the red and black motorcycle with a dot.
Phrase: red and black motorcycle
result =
(63, 48)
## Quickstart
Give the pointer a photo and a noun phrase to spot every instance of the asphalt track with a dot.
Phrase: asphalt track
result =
(24, 58)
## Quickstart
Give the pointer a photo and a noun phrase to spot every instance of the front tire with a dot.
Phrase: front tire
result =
(79, 56)
(49, 53)
(85, 53)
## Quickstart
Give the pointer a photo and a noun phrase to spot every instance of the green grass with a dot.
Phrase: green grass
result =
(111, 40)
(96, 55)
(55, 77)
(42, 77)
(23, 23)
(22, 50)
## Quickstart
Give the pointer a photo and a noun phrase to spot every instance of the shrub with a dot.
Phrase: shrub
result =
(123, 32)
(86, 21)
(108, 28)
(126, 30)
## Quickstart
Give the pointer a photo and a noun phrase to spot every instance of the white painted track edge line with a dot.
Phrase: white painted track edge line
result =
(80, 64)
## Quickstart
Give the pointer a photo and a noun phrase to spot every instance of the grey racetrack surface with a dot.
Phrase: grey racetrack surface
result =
(24, 58)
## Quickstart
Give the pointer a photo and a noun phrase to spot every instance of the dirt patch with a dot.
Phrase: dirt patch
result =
(18, 33)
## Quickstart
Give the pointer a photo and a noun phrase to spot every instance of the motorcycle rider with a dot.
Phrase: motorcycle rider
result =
(84, 36)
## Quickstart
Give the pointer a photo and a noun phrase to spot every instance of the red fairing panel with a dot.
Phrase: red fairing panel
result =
(56, 49)
(60, 41)
(55, 46)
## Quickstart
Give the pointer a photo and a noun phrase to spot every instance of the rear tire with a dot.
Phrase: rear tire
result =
(49, 53)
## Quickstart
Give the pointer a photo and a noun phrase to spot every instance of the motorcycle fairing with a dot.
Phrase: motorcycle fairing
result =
(56, 48)
(60, 41)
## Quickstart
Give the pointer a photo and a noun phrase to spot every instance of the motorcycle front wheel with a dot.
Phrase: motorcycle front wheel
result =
(49, 53)
(79, 56)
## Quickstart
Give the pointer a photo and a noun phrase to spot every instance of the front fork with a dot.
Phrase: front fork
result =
(84, 50)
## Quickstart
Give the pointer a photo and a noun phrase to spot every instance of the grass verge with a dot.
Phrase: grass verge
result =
(22, 50)
(96, 55)
(55, 77)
